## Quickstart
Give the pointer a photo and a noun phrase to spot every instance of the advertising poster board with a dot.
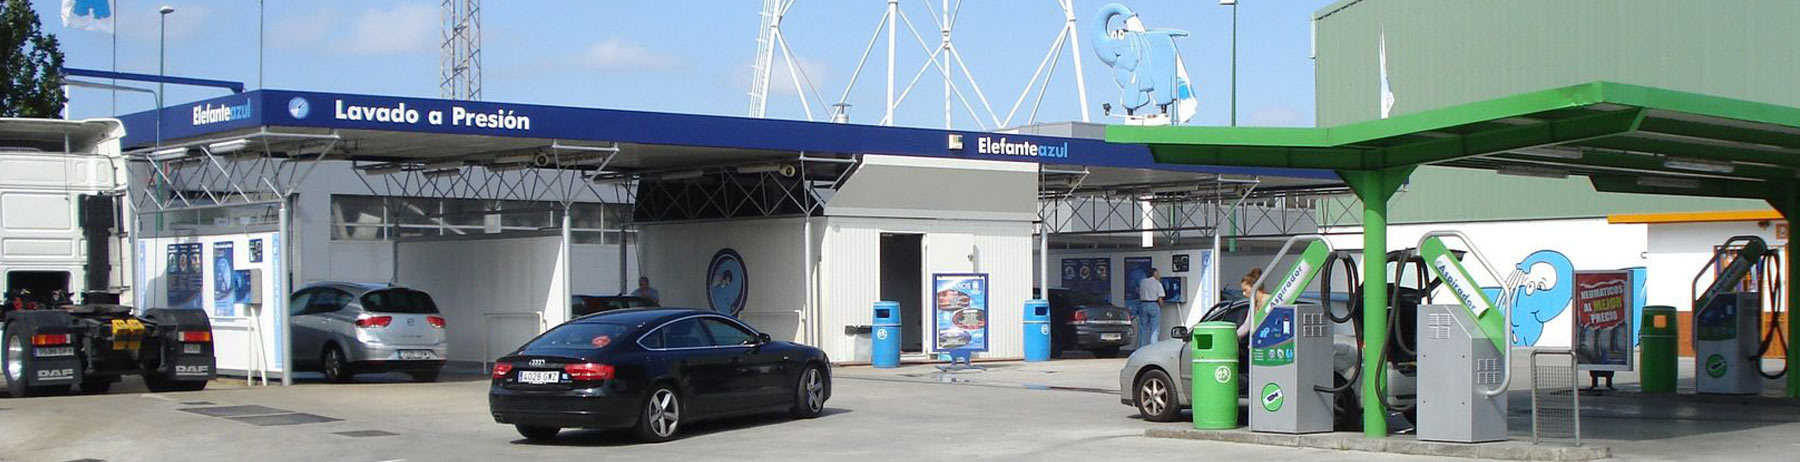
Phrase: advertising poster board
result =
(183, 278)
(1603, 301)
(1092, 276)
(1136, 269)
(960, 311)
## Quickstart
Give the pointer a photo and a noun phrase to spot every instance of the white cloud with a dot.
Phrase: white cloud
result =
(411, 27)
(620, 55)
(1277, 116)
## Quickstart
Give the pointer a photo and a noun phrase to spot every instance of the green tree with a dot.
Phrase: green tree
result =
(31, 76)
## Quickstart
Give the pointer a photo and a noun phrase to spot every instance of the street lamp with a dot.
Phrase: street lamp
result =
(1233, 5)
(162, 64)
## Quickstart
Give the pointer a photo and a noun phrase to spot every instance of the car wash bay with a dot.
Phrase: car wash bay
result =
(1622, 137)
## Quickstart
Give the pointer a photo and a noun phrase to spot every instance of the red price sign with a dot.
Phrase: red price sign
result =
(1603, 302)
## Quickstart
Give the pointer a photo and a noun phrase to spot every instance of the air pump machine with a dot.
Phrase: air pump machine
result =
(1728, 347)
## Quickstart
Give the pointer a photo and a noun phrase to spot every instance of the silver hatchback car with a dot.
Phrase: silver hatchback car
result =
(343, 329)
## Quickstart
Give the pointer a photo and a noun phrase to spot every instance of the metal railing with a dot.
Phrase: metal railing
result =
(1555, 398)
(487, 334)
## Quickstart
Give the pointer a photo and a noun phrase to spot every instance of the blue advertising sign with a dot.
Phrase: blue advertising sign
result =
(960, 311)
(1092, 276)
(727, 282)
(182, 278)
(1136, 270)
(224, 279)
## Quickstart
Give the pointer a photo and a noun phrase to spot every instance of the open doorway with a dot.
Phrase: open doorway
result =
(37, 288)
(902, 276)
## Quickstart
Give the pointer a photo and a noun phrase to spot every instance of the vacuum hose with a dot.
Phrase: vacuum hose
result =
(1776, 309)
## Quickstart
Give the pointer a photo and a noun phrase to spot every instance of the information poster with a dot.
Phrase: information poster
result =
(183, 278)
(960, 311)
(1602, 331)
(1136, 269)
(1092, 276)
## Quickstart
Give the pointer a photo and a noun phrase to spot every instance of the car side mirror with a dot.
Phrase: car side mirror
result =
(1179, 332)
(763, 338)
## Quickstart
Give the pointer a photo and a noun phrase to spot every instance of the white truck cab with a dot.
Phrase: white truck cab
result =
(62, 204)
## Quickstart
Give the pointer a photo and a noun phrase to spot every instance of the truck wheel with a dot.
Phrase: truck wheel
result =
(13, 355)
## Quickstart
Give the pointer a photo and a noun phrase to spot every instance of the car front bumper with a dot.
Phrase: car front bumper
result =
(590, 408)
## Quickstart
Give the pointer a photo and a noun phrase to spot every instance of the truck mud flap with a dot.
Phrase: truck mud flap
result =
(183, 343)
(47, 349)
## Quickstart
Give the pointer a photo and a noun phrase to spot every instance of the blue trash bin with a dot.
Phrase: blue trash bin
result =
(1037, 330)
(885, 349)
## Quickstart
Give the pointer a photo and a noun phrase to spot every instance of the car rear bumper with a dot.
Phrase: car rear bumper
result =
(366, 352)
(398, 366)
(1093, 336)
(561, 409)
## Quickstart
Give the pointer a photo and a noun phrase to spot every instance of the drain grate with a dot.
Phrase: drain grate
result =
(366, 433)
(88, 460)
(197, 403)
(296, 418)
(234, 411)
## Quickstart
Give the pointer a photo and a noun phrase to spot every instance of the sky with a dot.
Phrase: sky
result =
(695, 56)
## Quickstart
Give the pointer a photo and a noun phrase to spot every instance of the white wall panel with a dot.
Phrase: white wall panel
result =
(471, 278)
(676, 257)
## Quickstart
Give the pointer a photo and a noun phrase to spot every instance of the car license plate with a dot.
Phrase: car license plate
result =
(1111, 336)
(48, 352)
(415, 354)
(540, 377)
(190, 349)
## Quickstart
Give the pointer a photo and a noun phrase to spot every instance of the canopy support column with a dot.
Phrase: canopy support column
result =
(1374, 188)
(1789, 206)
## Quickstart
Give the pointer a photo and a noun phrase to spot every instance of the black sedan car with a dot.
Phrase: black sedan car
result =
(1082, 321)
(653, 370)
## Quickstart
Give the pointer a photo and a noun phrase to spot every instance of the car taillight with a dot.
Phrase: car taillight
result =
(435, 321)
(589, 371)
(501, 369)
(49, 339)
(1080, 317)
(196, 336)
(374, 321)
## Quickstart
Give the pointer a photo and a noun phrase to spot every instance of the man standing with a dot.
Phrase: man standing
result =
(1149, 308)
(644, 290)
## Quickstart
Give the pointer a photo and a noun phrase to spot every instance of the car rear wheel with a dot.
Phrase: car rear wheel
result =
(1156, 397)
(809, 393)
(661, 417)
(333, 364)
(537, 434)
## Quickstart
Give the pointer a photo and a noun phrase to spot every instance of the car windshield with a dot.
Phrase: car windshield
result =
(579, 335)
(404, 301)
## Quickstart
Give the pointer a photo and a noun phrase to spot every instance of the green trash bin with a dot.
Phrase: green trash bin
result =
(1656, 358)
(1215, 393)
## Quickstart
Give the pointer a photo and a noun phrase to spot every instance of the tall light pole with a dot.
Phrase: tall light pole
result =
(1233, 5)
(162, 64)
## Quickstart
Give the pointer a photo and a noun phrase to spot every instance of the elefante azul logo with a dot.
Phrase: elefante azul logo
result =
(1002, 147)
(210, 113)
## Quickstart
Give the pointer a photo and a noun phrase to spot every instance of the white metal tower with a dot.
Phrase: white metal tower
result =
(942, 56)
(459, 62)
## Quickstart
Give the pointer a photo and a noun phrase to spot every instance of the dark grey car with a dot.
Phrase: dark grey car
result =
(343, 329)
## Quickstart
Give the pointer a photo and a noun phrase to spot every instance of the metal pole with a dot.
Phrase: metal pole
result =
(260, 19)
(115, 60)
(945, 27)
(893, 21)
(281, 283)
(1234, 47)
(1793, 300)
(1043, 262)
(1075, 56)
(1372, 189)
(809, 323)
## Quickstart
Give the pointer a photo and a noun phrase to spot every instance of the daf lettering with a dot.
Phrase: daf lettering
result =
(55, 374)
(192, 370)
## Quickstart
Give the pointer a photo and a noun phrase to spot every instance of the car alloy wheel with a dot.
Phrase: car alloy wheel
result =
(815, 390)
(334, 365)
(1153, 396)
(665, 413)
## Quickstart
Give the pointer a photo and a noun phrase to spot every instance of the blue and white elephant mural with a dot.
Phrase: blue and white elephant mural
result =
(1541, 288)
(1145, 62)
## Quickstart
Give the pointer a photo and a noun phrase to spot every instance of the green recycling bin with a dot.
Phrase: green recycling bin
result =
(1656, 338)
(1215, 393)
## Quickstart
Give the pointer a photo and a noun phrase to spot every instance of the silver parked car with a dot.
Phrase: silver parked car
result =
(343, 329)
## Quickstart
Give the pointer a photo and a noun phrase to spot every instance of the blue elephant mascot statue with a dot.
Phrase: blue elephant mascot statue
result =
(1144, 61)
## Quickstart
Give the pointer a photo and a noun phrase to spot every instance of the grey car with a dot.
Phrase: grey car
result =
(1149, 381)
(343, 329)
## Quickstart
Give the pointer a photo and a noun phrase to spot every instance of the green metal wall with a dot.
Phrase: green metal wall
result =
(1448, 52)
